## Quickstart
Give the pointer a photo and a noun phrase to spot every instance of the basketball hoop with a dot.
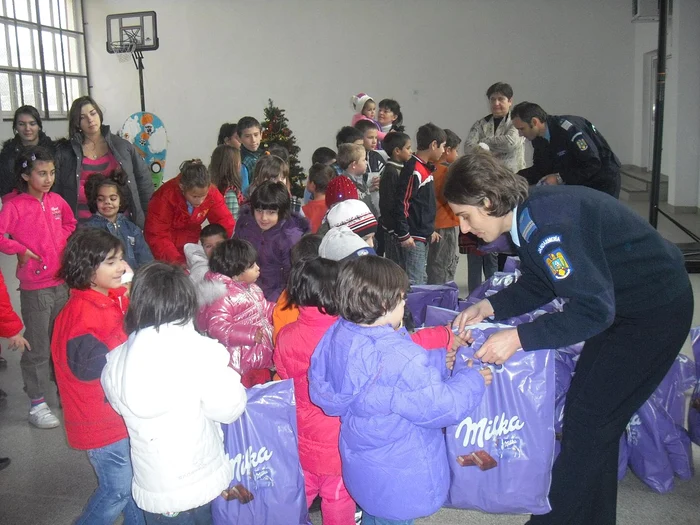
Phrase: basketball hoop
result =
(123, 49)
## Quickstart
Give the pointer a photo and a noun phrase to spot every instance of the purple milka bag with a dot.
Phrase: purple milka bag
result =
(436, 316)
(623, 457)
(501, 455)
(694, 411)
(497, 282)
(420, 296)
(262, 447)
(502, 244)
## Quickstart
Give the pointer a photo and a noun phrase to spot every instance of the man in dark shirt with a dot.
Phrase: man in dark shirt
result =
(629, 299)
(568, 150)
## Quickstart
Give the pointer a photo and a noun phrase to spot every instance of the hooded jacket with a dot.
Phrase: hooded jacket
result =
(232, 312)
(393, 398)
(136, 251)
(69, 161)
(88, 327)
(318, 433)
(10, 323)
(42, 226)
(274, 248)
(169, 224)
(11, 149)
(173, 386)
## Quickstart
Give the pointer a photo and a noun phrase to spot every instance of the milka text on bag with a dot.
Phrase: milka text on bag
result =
(475, 433)
(243, 463)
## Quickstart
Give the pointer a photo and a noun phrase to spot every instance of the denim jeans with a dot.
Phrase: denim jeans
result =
(371, 520)
(112, 465)
(199, 516)
(415, 259)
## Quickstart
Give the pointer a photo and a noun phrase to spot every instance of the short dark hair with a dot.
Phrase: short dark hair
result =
(478, 176)
(393, 140)
(429, 133)
(246, 123)
(271, 196)
(161, 293)
(74, 113)
(313, 283)
(27, 110)
(225, 131)
(212, 229)
(348, 135)
(452, 139)
(395, 108)
(369, 287)
(306, 248)
(526, 111)
(323, 155)
(232, 257)
(96, 181)
(502, 88)
(364, 125)
(86, 249)
(321, 175)
(25, 164)
(278, 150)
(194, 175)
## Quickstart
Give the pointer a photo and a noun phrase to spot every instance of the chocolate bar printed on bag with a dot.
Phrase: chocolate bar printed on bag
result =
(268, 484)
(501, 455)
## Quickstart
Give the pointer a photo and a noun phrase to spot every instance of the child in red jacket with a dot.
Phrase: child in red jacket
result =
(179, 207)
(312, 287)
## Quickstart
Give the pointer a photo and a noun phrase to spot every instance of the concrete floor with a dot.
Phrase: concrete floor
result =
(48, 483)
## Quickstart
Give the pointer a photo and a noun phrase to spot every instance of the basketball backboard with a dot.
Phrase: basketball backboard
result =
(136, 31)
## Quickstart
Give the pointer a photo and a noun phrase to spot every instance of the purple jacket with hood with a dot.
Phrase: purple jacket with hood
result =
(273, 247)
(393, 398)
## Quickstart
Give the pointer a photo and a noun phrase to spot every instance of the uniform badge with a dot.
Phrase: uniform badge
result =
(582, 144)
(558, 264)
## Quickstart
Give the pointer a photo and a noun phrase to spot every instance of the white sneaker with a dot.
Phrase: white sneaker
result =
(41, 417)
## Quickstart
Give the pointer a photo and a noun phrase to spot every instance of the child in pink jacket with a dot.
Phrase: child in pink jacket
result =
(235, 311)
(39, 223)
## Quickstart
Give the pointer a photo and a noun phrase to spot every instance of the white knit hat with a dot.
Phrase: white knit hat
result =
(354, 214)
(358, 101)
(341, 243)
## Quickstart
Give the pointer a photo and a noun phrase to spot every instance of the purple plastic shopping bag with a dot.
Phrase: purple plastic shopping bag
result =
(623, 457)
(648, 457)
(512, 264)
(694, 411)
(497, 282)
(436, 316)
(502, 244)
(501, 456)
(420, 296)
(262, 447)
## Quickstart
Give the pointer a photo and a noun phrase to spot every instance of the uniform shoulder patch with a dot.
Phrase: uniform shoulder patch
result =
(565, 124)
(551, 239)
(582, 144)
(526, 225)
(558, 264)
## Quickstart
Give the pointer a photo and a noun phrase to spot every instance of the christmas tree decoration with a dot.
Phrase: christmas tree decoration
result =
(275, 130)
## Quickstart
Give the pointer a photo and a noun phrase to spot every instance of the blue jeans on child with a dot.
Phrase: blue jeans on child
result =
(371, 520)
(112, 465)
(199, 516)
(415, 259)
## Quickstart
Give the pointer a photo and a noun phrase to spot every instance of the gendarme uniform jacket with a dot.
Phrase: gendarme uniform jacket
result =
(578, 152)
(580, 244)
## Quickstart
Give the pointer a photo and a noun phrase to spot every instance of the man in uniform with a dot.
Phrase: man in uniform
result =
(568, 150)
(629, 299)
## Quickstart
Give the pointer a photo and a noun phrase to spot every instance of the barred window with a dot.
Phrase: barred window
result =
(42, 56)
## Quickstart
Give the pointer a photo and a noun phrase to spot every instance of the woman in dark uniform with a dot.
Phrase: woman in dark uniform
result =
(629, 299)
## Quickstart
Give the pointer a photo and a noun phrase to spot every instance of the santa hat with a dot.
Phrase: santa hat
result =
(354, 214)
(358, 101)
(340, 188)
(340, 243)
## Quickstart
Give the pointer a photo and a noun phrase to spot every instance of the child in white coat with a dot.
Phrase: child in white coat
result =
(172, 386)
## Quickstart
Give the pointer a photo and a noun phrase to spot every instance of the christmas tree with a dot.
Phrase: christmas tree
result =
(275, 130)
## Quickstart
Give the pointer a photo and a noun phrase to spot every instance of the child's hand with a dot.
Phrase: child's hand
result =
(258, 336)
(374, 185)
(18, 342)
(458, 340)
(486, 374)
(24, 257)
(450, 359)
(408, 243)
(435, 237)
